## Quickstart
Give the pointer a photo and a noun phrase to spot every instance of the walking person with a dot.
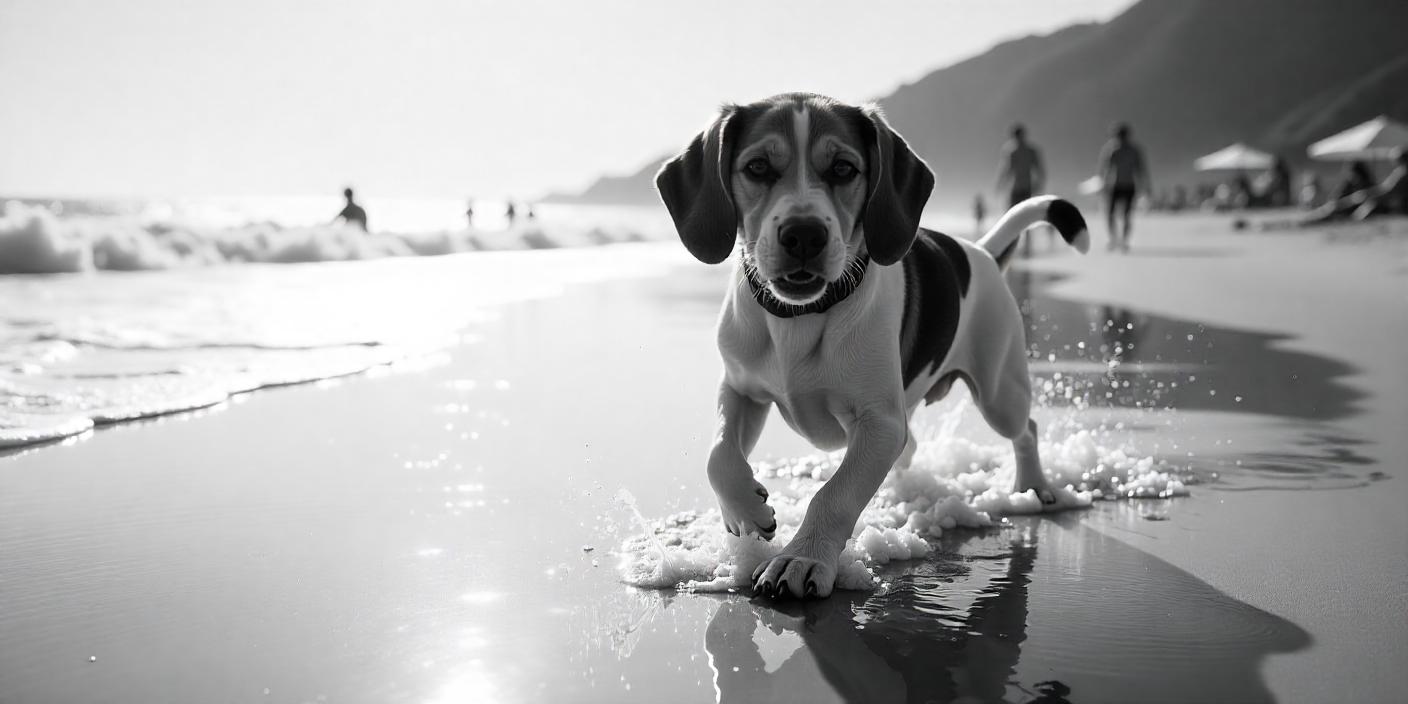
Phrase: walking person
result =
(1021, 170)
(1021, 167)
(1125, 175)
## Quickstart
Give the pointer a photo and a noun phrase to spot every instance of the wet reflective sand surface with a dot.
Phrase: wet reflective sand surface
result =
(445, 532)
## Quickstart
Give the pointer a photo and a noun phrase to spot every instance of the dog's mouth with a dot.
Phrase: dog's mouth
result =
(798, 287)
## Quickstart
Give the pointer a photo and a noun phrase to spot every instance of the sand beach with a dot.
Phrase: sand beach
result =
(471, 522)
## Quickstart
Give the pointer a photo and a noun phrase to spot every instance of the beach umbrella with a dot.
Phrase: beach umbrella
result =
(1237, 157)
(1378, 138)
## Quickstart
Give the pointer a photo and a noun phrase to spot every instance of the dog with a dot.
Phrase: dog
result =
(844, 313)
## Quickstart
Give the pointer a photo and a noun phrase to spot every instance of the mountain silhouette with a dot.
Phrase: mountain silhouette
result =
(1190, 77)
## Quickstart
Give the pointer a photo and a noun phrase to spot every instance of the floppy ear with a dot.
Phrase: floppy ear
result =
(900, 184)
(695, 188)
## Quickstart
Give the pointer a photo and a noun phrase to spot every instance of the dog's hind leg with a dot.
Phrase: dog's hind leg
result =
(1029, 475)
(1004, 397)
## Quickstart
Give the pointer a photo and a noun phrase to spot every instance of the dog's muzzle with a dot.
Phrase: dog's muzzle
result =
(803, 239)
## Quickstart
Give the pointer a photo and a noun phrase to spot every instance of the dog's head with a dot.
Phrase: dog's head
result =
(810, 183)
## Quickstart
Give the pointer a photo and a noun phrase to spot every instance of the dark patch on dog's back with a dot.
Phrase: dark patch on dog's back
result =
(937, 274)
(956, 256)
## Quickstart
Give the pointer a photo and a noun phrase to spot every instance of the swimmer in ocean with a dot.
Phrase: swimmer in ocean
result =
(352, 213)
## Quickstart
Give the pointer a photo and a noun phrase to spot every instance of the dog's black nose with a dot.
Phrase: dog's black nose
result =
(802, 239)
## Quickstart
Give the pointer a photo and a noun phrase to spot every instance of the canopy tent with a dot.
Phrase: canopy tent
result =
(1379, 138)
(1237, 157)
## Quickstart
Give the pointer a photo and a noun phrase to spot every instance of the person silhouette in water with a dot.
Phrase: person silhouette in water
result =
(352, 213)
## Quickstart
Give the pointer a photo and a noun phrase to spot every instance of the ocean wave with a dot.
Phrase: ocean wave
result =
(39, 404)
(77, 352)
(35, 240)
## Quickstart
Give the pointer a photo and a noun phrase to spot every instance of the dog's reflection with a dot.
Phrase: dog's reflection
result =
(910, 644)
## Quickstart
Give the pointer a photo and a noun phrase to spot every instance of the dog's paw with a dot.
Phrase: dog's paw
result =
(795, 575)
(748, 512)
(1042, 489)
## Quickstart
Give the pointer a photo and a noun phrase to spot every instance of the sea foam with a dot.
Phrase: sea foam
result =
(954, 483)
(35, 240)
(84, 351)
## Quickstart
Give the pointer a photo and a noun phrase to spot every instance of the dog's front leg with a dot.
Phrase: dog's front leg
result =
(742, 500)
(807, 566)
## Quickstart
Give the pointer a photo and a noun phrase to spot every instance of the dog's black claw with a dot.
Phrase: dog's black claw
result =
(781, 588)
(811, 588)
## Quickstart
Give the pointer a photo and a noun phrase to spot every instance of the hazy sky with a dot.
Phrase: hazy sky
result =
(293, 97)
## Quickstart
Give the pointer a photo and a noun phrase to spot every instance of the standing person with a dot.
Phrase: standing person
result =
(1021, 166)
(352, 213)
(469, 214)
(510, 213)
(980, 211)
(1278, 187)
(1123, 170)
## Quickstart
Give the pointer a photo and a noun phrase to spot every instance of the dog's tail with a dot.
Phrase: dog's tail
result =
(1001, 240)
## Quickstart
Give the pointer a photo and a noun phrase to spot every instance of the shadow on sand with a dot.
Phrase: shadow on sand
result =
(1150, 360)
(1116, 357)
(985, 620)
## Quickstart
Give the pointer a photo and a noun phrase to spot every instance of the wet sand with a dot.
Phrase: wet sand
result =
(1331, 561)
(444, 532)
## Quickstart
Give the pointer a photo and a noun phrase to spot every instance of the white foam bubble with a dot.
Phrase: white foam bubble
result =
(954, 483)
(116, 348)
(34, 240)
(19, 429)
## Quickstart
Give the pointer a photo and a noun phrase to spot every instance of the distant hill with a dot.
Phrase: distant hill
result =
(633, 189)
(1190, 76)
(1380, 91)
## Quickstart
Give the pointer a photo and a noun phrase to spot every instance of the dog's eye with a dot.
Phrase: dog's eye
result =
(758, 169)
(843, 170)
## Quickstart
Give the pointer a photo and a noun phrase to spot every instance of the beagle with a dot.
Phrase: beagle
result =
(844, 313)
